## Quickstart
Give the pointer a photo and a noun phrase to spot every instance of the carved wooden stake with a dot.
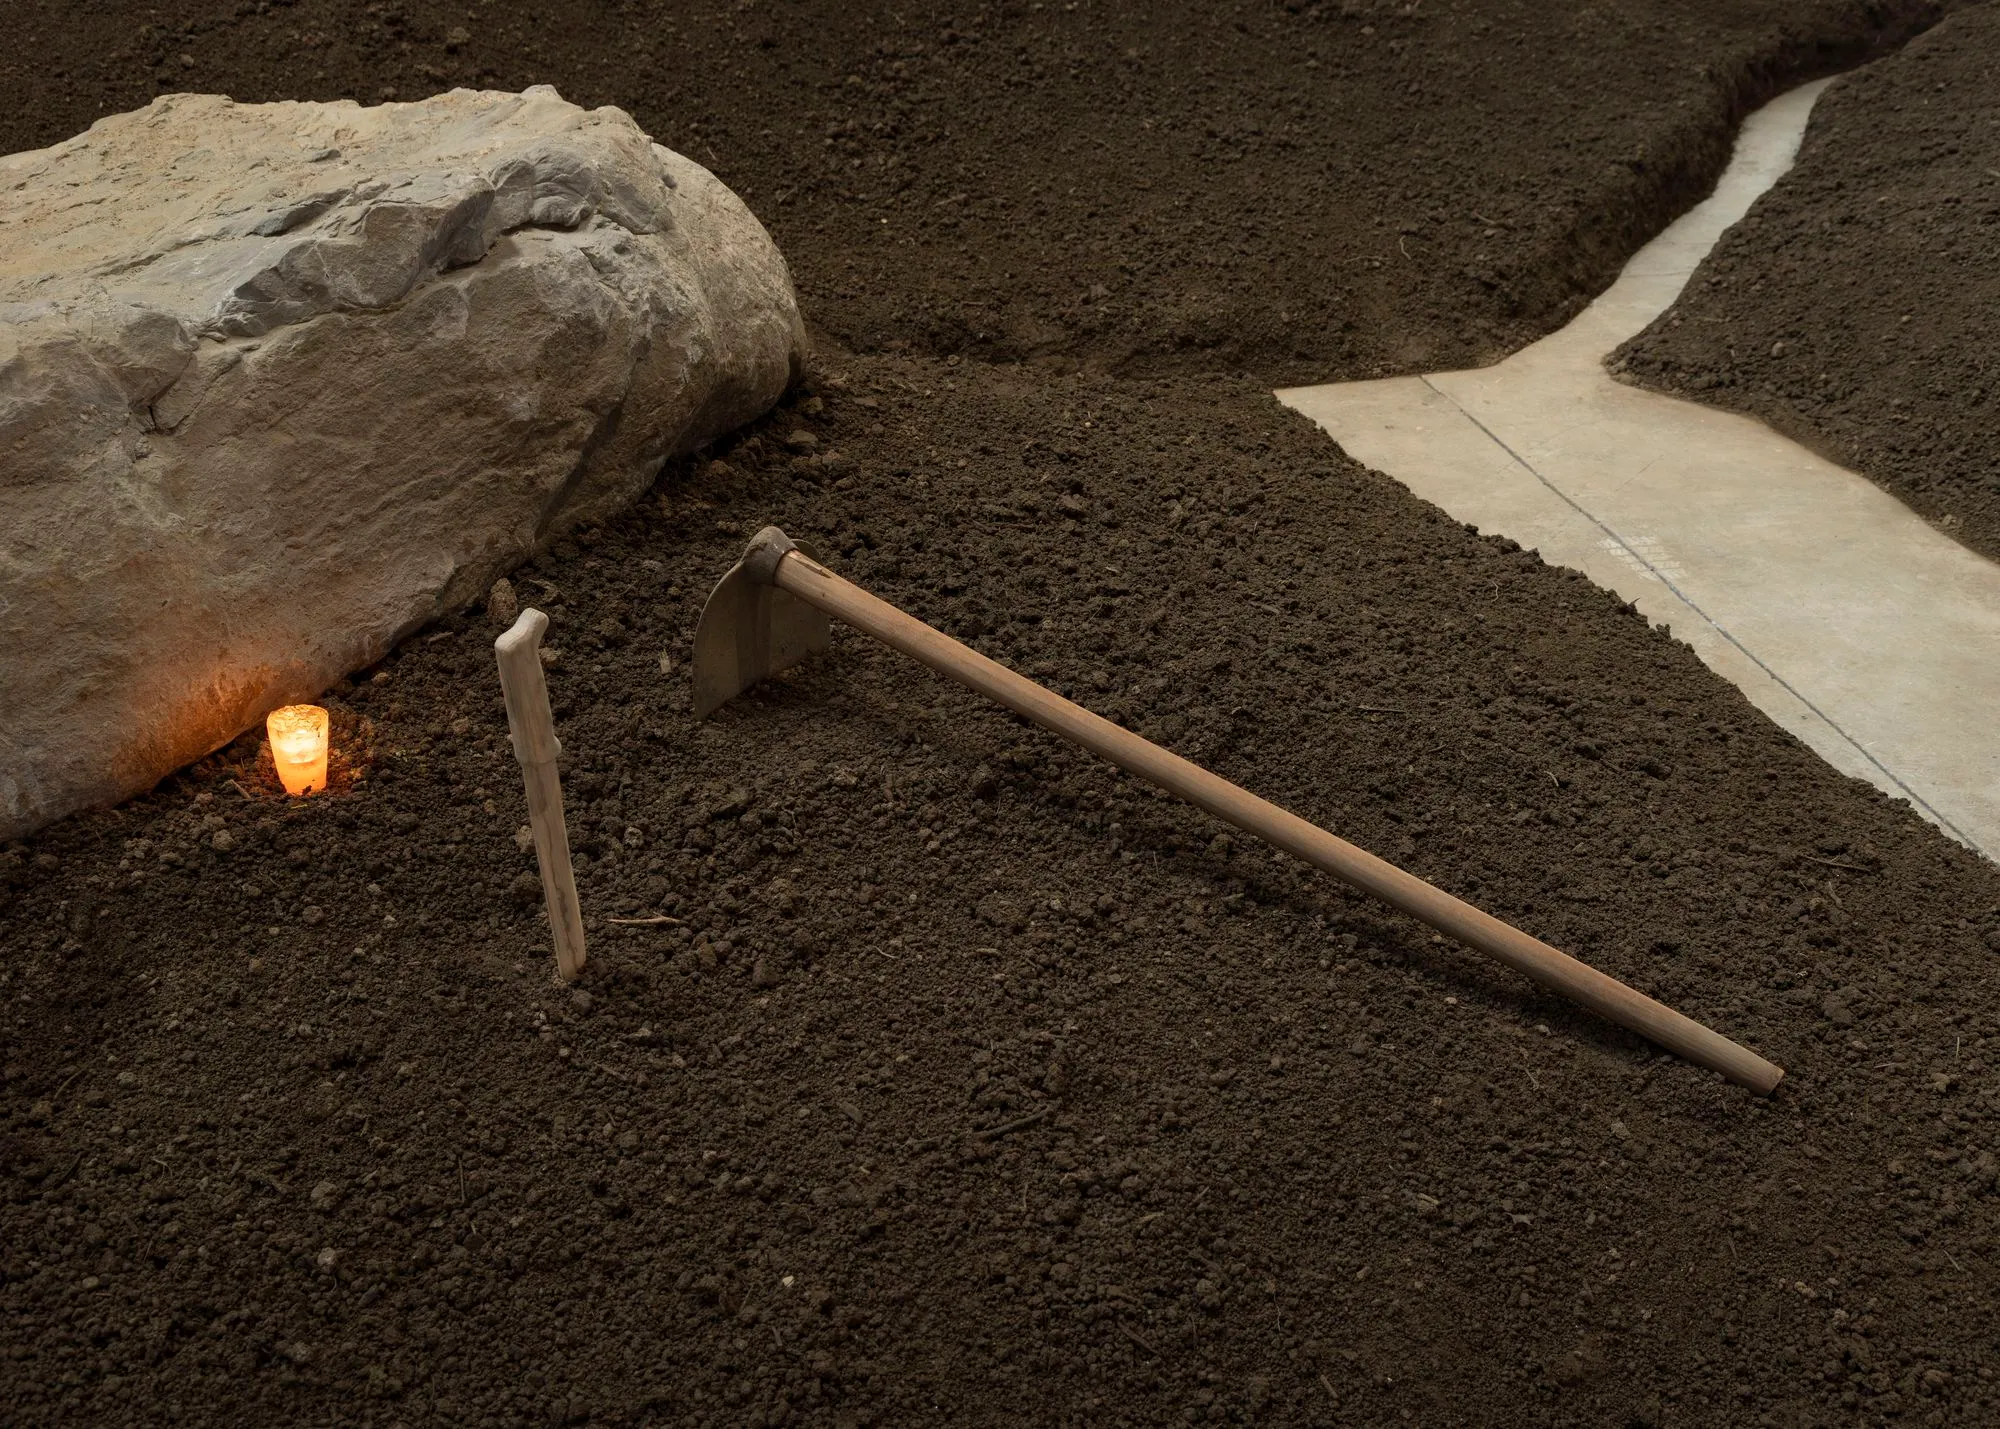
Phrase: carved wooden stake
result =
(533, 728)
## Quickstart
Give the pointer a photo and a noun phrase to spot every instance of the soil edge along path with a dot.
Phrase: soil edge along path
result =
(1854, 309)
(970, 1082)
(1312, 191)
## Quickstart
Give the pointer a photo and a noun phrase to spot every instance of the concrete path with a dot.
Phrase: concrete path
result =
(1839, 613)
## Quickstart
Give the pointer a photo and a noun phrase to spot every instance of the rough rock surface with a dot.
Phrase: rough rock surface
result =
(279, 383)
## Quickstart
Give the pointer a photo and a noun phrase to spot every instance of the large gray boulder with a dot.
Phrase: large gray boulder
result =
(281, 382)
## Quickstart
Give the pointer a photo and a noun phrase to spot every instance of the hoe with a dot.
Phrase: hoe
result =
(770, 611)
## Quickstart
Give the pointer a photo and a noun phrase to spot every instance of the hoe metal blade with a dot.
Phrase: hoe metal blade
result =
(750, 630)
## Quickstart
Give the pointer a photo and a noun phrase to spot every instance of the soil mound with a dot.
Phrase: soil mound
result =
(971, 1083)
(1312, 191)
(1854, 308)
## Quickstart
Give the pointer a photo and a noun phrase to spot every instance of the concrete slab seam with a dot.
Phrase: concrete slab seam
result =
(1709, 620)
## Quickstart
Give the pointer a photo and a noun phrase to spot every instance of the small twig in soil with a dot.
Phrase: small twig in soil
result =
(1953, 1259)
(1379, 709)
(657, 918)
(1329, 1387)
(1836, 863)
(1019, 1123)
(66, 1174)
(57, 1093)
(459, 1161)
(1138, 1339)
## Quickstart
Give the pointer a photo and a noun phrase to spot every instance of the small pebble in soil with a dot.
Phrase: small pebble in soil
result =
(503, 607)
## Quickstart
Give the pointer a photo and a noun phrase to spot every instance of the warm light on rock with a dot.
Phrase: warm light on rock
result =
(298, 747)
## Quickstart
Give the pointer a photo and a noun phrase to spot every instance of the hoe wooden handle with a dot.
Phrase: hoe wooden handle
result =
(1555, 970)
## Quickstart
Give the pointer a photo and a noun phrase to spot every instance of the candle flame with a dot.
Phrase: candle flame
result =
(298, 747)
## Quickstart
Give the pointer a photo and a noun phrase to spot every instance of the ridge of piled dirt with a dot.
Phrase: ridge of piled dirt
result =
(1308, 191)
(1855, 307)
(967, 1081)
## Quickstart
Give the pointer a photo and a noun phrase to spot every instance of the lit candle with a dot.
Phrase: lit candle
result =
(298, 747)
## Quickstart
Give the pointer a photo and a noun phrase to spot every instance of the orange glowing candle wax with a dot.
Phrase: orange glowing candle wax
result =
(298, 747)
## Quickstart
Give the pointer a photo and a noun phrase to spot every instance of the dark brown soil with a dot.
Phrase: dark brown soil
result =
(299, 1130)
(1310, 190)
(1855, 307)
(974, 1083)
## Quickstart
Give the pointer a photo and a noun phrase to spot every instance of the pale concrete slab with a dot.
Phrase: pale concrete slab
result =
(1843, 616)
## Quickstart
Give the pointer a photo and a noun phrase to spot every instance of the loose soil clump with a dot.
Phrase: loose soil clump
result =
(1312, 191)
(1854, 308)
(966, 1080)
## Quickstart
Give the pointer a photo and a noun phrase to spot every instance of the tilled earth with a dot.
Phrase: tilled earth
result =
(1855, 307)
(1310, 190)
(957, 1078)
(936, 1073)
